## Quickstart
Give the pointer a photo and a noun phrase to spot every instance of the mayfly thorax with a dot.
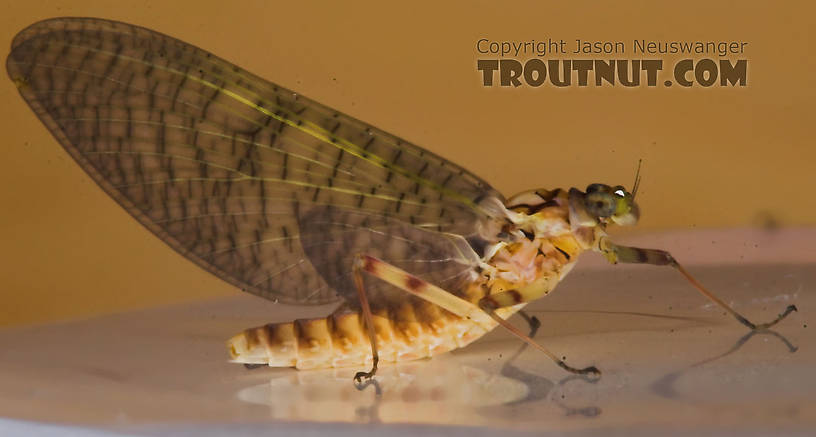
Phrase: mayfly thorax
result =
(295, 202)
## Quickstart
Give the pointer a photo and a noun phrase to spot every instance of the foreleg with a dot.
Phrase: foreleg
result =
(635, 255)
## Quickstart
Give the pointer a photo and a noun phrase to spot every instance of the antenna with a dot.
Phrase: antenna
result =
(636, 185)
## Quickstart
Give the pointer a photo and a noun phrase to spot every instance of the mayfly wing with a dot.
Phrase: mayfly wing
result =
(333, 236)
(225, 166)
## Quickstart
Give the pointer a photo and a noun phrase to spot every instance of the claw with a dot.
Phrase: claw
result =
(591, 371)
(764, 326)
(358, 377)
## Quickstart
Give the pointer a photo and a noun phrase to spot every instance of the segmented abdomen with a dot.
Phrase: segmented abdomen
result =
(414, 330)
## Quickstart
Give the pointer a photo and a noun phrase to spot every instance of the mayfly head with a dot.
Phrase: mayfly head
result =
(602, 203)
(613, 203)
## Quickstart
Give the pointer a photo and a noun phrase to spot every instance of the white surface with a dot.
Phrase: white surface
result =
(672, 362)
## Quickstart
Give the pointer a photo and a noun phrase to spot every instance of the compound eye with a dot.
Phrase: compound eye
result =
(600, 204)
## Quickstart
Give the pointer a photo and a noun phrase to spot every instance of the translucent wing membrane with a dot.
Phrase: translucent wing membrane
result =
(236, 173)
(330, 235)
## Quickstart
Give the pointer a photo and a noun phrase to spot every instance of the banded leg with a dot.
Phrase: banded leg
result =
(542, 286)
(369, 321)
(635, 255)
(412, 284)
(420, 288)
(481, 314)
(405, 281)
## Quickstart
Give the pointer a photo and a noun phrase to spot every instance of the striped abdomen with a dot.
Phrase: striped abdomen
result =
(415, 330)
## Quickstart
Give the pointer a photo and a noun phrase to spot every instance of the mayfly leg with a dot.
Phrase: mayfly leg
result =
(367, 318)
(482, 314)
(532, 322)
(537, 289)
(407, 282)
(635, 255)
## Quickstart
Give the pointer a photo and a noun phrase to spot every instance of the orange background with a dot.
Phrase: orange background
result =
(712, 157)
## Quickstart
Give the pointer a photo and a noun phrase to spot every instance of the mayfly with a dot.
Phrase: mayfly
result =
(295, 202)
